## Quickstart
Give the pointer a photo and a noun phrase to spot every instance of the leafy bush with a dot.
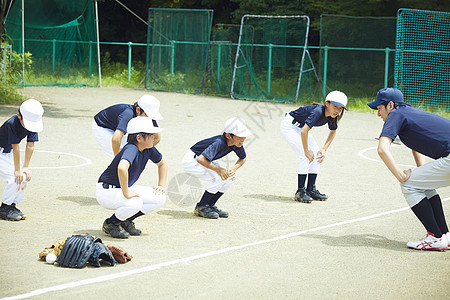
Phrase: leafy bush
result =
(11, 76)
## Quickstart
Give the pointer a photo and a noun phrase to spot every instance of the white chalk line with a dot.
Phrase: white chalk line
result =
(361, 154)
(86, 160)
(195, 257)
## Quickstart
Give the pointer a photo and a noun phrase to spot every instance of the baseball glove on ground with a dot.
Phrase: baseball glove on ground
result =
(76, 251)
(55, 248)
(120, 255)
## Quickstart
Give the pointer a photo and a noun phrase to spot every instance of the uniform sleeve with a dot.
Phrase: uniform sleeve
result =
(332, 125)
(33, 137)
(155, 155)
(129, 153)
(123, 120)
(393, 124)
(240, 152)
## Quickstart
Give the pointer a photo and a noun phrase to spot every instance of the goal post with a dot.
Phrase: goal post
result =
(272, 61)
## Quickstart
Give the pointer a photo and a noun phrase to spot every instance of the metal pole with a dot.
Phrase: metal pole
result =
(129, 60)
(386, 68)
(269, 70)
(54, 56)
(23, 43)
(325, 62)
(172, 60)
(90, 59)
(218, 62)
(237, 57)
(98, 46)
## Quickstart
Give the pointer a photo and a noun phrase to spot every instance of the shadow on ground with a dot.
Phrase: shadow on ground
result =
(266, 197)
(83, 201)
(361, 240)
(177, 214)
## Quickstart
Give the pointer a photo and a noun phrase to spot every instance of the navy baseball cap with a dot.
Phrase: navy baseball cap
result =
(386, 95)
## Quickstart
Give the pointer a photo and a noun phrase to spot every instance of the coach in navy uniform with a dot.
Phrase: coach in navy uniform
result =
(425, 134)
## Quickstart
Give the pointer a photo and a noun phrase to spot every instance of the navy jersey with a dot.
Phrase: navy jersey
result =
(216, 147)
(116, 117)
(313, 115)
(138, 160)
(420, 131)
(12, 132)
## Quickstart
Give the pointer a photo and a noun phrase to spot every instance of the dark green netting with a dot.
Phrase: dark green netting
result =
(61, 36)
(178, 47)
(423, 58)
(359, 69)
(268, 65)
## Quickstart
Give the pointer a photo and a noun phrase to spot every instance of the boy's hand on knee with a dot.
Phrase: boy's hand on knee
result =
(223, 173)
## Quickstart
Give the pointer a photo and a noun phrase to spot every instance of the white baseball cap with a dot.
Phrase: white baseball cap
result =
(337, 98)
(150, 105)
(237, 126)
(142, 124)
(32, 111)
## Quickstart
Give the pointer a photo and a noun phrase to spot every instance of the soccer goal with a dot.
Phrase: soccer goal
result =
(272, 61)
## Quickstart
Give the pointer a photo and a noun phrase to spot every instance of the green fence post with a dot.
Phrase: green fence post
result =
(129, 60)
(386, 68)
(218, 61)
(172, 60)
(90, 59)
(269, 70)
(54, 56)
(325, 62)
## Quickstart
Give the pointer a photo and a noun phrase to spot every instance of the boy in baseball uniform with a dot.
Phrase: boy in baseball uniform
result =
(199, 161)
(116, 187)
(425, 134)
(27, 123)
(109, 125)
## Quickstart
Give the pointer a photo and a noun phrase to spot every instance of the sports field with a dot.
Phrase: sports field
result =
(352, 246)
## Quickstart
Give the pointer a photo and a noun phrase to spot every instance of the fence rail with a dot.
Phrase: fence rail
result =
(172, 44)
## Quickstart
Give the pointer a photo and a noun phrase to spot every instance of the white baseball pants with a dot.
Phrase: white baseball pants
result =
(113, 198)
(424, 180)
(216, 184)
(292, 134)
(104, 138)
(13, 192)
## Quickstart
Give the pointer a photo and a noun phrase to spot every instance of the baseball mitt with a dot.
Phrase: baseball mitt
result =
(76, 251)
(55, 248)
(120, 255)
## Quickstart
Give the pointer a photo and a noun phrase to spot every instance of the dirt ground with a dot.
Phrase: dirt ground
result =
(351, 246)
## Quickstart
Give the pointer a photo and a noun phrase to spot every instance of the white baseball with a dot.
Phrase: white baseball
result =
(50, 258)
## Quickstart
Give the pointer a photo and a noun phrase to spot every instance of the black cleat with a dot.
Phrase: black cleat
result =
(316, 195)
(115, 230)
(221, 213)
(21, 214)
(205, 211)
(8, 213)
(130, 227)
(302, 196)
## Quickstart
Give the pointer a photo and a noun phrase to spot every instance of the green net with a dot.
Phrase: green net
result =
(359, 69)
(177, 52)
(423, 58)
(224, 41)
(61, 36)
(271, 61)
